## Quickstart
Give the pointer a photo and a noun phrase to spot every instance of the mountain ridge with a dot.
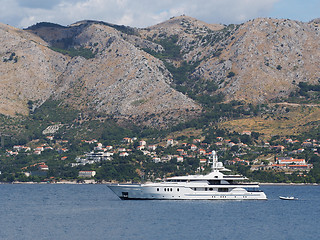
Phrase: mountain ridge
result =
(127, 73)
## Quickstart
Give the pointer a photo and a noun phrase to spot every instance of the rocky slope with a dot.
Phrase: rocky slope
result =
(118, 79)
(104, 68)
(257, 61)
(28, 70)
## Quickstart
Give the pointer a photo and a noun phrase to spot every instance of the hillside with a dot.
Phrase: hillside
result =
(91, 67)
(156, 76)
(153, 96)
(257, 61)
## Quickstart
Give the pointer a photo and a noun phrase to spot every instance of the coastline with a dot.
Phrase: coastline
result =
(289, 184)
(104, 182)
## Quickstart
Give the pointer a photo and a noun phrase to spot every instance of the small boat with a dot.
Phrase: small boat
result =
(288, 198)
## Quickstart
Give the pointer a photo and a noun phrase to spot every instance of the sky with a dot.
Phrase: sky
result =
(144, 13)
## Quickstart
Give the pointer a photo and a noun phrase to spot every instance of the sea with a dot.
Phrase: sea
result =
(89, 211)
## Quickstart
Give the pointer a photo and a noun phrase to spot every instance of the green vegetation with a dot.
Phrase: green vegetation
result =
(73, 52)
(45, 24)
(171, 49)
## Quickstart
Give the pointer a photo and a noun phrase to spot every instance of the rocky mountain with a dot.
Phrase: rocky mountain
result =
(107, 74)
(257, 61)
(124, 72)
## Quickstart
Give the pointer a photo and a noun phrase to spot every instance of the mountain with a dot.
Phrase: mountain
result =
(256, 61)
(158, 75)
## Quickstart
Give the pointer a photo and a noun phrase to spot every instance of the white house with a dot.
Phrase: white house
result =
(87, 173)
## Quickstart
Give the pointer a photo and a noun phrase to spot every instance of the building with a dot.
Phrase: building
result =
(43, 167)
(179, 159)
(124, 154)
(87, 174)
(170, 142)
(193, 147)
(152, 147)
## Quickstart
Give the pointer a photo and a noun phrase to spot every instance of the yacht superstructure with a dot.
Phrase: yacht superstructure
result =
(213, 186)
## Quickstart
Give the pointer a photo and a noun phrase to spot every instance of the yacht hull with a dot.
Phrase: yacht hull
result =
(142, 192)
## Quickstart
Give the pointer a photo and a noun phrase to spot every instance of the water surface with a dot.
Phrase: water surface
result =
(93, 212)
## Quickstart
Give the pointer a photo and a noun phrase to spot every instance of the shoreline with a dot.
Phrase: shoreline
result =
(289, 184)
(104, 182)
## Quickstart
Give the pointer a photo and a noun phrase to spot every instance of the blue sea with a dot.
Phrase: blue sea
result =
(53, 211)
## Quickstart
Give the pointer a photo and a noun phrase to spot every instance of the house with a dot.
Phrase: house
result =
(98, 147)
(97, 157)
(203, 161)
(39, 149)
(292, 161)
(127, 140)
(307, 144)
(180, 151)
(170, 142)
(196, 141)
(278, 148)
(91, 141)
(26, 149)
(43, 167)
(179, 159)
(108, 148)
(121, 149)
(298, 166)
(18, 147)
(124, 154)
(141, 147)
(288, 140)
(49, 138)
(12, 153)
(142, 143)
(156, 159)
(202, 151)
(246, 133)
(231, 144)
(193, 147)
(88, 174)
(152, 147)
(278, 166)
(184, 144)
(37, 152)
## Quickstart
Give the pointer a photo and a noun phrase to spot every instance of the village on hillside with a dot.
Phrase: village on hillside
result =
(277, 158)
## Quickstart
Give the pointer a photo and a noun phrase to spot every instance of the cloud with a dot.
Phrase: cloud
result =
(136, 13)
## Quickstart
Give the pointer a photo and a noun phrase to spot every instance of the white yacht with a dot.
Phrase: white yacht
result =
(213, 186)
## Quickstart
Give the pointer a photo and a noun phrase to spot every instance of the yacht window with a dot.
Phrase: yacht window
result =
(195, 189)
(214, 182)
(178, 189)
(222, 189)
(210, 189)
(171, 189)
(206, 189)
(157, 189)
(165, 189)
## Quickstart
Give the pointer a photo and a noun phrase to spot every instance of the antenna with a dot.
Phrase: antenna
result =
(217, 166)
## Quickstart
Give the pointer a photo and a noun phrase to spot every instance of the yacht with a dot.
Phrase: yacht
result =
(213, 186)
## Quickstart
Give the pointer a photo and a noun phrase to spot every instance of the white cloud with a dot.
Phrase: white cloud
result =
(136, 13)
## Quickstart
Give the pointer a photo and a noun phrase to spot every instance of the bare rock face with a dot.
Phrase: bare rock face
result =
(28, 70)
(118, 79)
(103, 68)
(265, 59)
(121, 81)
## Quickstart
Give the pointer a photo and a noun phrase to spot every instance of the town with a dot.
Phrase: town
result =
(183, 155)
